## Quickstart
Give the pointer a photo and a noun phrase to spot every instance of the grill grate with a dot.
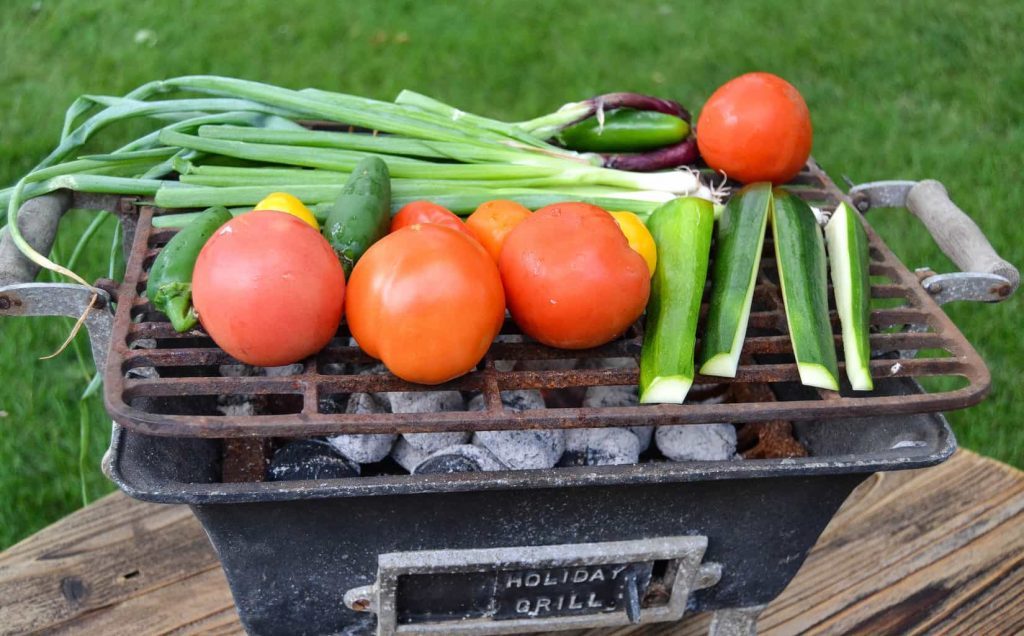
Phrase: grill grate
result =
(180, 399)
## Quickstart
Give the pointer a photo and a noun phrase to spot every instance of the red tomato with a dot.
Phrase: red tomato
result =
(427, 212)
(571, 279)
(492, 222)
(427, 302)
(756, 128)
(268, 289)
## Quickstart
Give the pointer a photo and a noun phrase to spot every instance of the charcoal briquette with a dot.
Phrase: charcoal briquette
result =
(613, 396)
(369, 448)
(406, 455)
(600, 447)
(429, 402)
(521, 450)
(464, 458)
(697, 442)
(309, 459)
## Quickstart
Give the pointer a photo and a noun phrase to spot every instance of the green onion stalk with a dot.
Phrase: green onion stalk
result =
(233, 141)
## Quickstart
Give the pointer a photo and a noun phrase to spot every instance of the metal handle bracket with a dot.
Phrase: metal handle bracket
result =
(984, 276)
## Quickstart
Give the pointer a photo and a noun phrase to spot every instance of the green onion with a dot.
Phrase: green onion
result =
(432, 150)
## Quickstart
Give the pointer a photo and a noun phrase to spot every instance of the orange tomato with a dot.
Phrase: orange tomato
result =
(492, 221)
(427, 302)
(571, 279)
(268, 289)
(756, 127)
(426, 212)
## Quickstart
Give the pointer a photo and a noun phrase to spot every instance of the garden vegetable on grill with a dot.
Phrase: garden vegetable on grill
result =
(639, 237)
(800, 254)
(851, 282)
(420, 212)
(169, 288)
(492, 222)
(741, 231)
(268, 289)
(427, 302)
(361, 213)
(464, 159)
(756, 127)
(571, 279)
(289, 204)
(625, 130)
(682, 231)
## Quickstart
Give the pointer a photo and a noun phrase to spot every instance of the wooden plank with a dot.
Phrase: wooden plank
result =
(937, 550)
(102, 555)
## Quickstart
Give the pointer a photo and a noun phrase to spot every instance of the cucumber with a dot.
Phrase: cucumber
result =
(682, 232)
(800, 255)
(848, 256)
(740, 233)
(169, 287)
(361, 214)
(625, 130)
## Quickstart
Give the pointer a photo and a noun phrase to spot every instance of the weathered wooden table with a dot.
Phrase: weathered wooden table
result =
(934, 550)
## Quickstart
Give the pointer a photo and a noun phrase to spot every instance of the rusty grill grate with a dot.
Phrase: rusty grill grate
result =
(180, 398)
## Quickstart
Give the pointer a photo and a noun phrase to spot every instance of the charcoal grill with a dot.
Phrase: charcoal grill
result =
(539, 550)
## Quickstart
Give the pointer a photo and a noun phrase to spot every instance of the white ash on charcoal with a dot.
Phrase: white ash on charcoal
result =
(364, 449)
(429, 402)
(309, 459)
(280, 372)
(610, 396)
(241, 405)
(457, 458)
(600, 447)
(697, 442)
(369, 448)
(613, 396)
(464, 458)
(142, 373)
(521, 450)
(513, 338)
(237, 405)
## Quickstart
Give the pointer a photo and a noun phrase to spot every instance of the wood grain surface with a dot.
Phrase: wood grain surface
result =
(938, 550)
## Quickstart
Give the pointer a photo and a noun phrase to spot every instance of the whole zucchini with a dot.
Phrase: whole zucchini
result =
(800, 255)
(851, 282)
(361, 214)
(169, 287)
(740, 235)
(682, 232)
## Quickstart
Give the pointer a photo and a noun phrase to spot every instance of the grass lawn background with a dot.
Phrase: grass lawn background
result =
(906, 90)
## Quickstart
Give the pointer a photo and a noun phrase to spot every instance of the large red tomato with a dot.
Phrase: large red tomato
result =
(571, 279)
(427, 302)
(756, 127)
(268, 289)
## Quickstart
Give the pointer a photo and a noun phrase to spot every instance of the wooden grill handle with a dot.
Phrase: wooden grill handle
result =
(956, 234)
(38, 219)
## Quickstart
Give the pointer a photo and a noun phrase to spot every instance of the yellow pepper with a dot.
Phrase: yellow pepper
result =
(284, 202)
(639, 237)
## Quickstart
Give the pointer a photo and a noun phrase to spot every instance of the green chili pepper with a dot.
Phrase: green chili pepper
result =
(625, 130)
(361, 214)
(170, 279)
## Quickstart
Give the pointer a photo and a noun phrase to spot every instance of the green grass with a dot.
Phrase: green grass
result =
(897, 90)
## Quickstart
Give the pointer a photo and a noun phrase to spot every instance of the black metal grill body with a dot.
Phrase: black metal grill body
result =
(292, 549)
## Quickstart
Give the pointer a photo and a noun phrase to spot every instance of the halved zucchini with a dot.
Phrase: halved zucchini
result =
(800, 255)
(740, 235)
(851, 282)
